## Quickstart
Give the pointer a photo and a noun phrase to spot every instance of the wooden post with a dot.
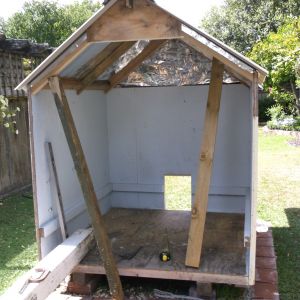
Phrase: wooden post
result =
(205, 166)
(129, 3)
(59, 202)
(254, 176)
(87, 187)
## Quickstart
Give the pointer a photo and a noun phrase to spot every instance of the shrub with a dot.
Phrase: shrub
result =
(265, 102)
(7, 115)
(279, 120)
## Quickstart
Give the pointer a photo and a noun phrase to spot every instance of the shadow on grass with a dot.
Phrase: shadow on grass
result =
(287, 247)
(18, 251)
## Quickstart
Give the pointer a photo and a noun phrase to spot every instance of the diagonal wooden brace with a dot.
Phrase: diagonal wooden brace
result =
(206, 156)
(87, 187)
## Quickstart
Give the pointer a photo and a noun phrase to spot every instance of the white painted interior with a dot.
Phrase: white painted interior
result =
(89, 112)
(157, 131)
(132, 138)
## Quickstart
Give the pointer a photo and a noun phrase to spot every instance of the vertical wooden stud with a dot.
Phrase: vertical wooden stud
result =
(87, 187)
(254, 176)
(205, 166)
(59, 201)
(129, 3)
(33, 171)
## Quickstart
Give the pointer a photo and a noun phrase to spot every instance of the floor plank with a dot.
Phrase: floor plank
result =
(138, 236)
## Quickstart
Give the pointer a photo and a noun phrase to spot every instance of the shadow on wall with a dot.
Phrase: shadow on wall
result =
(287, 248)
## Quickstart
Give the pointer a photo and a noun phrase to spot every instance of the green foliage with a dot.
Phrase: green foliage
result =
(7, 115)
(2, 25)
(77, 13)
(276, 112)
(279, 120)
(265, 102)
(47, 22)
(278, 202)
(279, 53)
(241, 23)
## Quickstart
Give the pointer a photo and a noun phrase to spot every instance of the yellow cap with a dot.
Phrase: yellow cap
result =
(165, 257)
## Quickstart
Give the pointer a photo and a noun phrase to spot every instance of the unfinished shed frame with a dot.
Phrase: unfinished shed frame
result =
(121, 119)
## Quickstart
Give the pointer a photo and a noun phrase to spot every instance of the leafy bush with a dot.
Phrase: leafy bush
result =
(276, 112)
(279, 120)
(7, 115)
(265, 102)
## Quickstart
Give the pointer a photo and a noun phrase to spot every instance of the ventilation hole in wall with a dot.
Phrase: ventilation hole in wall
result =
(178, 192)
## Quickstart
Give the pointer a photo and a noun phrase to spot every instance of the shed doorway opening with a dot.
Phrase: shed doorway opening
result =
(178, 192)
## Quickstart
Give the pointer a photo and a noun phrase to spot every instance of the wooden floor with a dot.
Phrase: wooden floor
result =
(138, 236)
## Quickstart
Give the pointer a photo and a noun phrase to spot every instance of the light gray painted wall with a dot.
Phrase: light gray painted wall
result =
(132, 138)
(89, 112)
(156, 131)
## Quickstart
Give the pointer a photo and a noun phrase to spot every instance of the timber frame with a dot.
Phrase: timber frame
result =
(112, 20)
(119, 25)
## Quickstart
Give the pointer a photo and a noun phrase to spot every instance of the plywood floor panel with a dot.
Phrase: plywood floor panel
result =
(138, 236)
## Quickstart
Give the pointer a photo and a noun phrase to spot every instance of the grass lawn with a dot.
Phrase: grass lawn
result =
(279, 203)
(18, 250)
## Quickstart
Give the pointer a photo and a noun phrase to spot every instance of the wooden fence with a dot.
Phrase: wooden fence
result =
(15, 171)
(17, 59)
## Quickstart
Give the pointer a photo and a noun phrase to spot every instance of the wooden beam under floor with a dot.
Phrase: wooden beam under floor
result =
(206, 157)
(87, 187)
(43, 279)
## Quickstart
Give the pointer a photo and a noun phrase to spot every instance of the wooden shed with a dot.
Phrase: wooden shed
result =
(132, 96)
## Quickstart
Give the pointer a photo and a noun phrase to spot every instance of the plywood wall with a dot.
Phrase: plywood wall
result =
(132, 138)
(157, 131)
(89, 112)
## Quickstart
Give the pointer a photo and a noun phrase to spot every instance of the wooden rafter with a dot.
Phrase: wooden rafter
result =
(104, 64)
(211, 53)
(205, 166)
(87, 187)
(59, 65)
(134, 63)
(96, 60)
